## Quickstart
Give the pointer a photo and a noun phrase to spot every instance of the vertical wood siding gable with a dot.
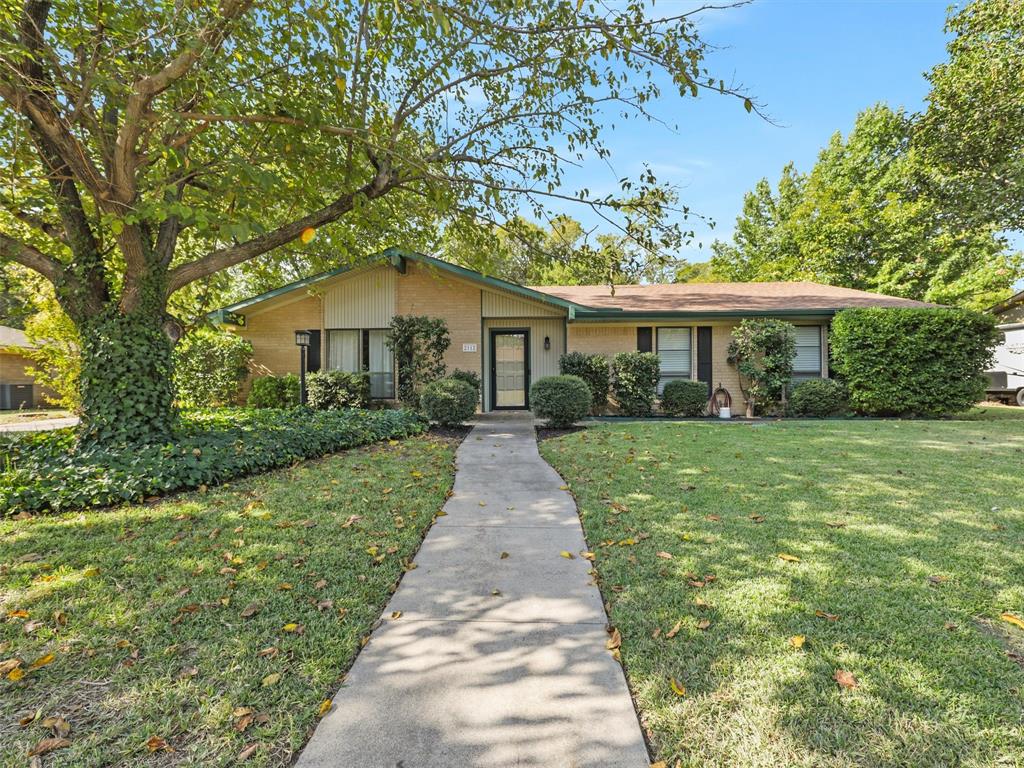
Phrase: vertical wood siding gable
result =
(365, 299)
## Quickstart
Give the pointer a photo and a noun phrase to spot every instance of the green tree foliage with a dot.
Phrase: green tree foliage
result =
(57, 362)
(920, 362)
(763, 350)
(419, 343)
(151, 146)
(860, 219)
(209, 366)
(972, 132)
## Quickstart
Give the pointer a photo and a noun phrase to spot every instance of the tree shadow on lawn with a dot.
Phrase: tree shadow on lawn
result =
(142, 606)
(926, 696)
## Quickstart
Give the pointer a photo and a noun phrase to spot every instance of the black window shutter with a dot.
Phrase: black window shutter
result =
(644, 339)
(313, 353)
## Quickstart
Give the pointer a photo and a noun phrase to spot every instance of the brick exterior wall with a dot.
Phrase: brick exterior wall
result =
(13, 367)
(423, 291)
(271, 332)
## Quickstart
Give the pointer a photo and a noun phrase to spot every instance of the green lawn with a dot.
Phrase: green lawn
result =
(910, 534)
(143, 609)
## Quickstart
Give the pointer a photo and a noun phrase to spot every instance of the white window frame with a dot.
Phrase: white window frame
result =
(664, 377)
(803, 375)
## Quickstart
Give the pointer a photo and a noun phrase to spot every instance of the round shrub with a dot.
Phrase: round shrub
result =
(470, 377)
(683, 397)
(819, 398)
(593, 369)
(562, 400)
(449, 402)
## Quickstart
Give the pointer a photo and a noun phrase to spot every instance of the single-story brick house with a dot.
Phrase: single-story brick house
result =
(512, 335)
(17, 388)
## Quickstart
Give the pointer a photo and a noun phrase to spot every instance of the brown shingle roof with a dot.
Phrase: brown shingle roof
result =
(724, 297)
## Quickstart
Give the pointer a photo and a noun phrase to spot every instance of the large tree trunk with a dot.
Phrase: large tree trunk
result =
(126, 382)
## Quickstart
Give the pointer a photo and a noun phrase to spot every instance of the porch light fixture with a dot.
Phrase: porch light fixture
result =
(302, 339)
(547, 343)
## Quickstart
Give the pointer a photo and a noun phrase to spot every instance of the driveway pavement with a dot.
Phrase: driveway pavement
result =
(494, 659)
(39, 425)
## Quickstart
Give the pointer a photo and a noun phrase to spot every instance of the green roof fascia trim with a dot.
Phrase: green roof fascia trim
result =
(397, 258)
(281, 291)
(395, 254)
(619, 314)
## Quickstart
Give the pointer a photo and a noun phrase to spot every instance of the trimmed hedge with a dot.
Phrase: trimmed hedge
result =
(562, 400)
(593, 369)
(683, 397)
(334, 390)
(913, 362)
(449, 402)
(819, 398)
(274, 391)
(44, 471)
(635, 381)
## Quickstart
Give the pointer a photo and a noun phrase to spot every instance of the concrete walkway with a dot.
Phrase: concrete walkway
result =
(39, 425)
(493, 662)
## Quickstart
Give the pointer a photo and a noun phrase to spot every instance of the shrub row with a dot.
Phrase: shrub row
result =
(593, 370)
(335, 390)
(45, 471)
(274, 391)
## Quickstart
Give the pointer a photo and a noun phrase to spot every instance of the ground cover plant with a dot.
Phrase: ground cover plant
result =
(813, 594)
(46, 471)
(206, 629)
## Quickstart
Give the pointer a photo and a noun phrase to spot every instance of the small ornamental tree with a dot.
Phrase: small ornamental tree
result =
(763, 350)
(209, 366)
(419, 344)
(57, 362)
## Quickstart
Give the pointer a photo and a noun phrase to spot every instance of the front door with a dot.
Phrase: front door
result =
(510, 368)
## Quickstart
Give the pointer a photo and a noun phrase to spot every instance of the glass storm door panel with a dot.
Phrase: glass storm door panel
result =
(510, 370)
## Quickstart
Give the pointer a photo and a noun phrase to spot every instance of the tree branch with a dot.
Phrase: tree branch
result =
(34, 259)
(227, 257)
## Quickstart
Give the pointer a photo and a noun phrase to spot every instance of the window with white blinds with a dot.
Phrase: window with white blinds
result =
(674, 354)
(807, 364)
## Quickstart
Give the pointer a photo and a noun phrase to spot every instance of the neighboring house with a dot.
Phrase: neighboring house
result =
(17, 387)
(1007, 375)
(512, 335)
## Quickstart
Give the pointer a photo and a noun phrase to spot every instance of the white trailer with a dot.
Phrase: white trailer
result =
(1006, 379)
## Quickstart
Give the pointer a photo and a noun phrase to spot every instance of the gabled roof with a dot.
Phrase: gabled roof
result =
(723, 298)
(397, 257)
(13, 338)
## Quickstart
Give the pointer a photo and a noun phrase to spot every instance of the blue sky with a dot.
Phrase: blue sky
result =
(813, 65)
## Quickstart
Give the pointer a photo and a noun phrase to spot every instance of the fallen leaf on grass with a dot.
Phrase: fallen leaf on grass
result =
(938, 579)
(713, 518)
(60, 727)
(675, 630)
(320, 584)
(292, 627)
(615, 641)
(44, 746)
(664, 555)
(829, 616)
(42, 661)
(950, 626)
(19, 613)
(797, 641)
(268, 653)
(836, 524)
(246, 753)
(250, 610)
(677, 688)
(845, 679)
(8, 664)
(272, 679)
(696, 583)
(789, 558)
(703, 624)
(757, 518)
(325, 707)
(157, 743)
(588, 556)
(1011, 619)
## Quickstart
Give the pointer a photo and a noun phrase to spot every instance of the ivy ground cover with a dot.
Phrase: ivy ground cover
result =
(839, 593)
(209, 628)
